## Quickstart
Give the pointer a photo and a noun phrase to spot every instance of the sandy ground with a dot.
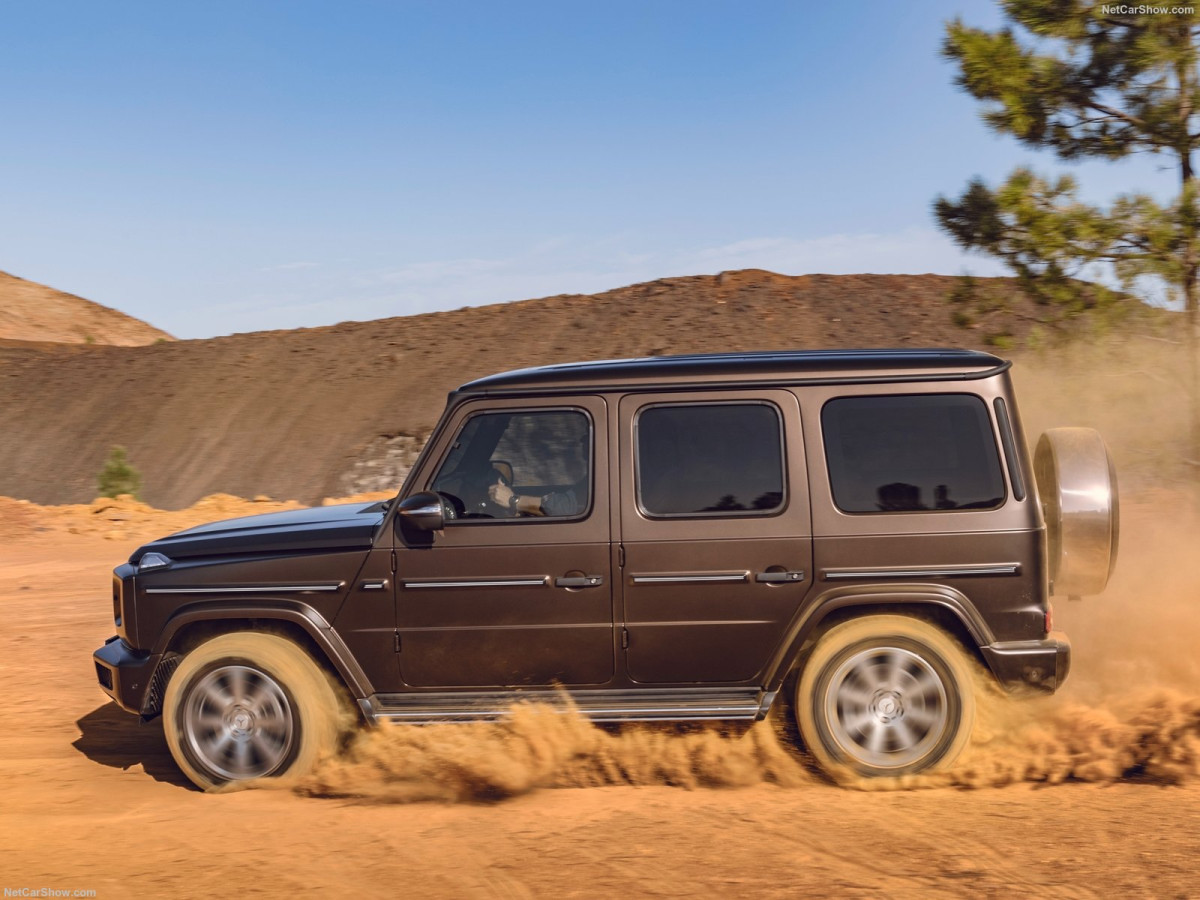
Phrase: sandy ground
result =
(89, 797)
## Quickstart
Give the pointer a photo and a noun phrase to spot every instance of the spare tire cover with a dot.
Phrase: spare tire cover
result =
(1078, 488)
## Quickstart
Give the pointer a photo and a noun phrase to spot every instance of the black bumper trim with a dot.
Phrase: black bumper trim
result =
(129, 672)
(1040, 664)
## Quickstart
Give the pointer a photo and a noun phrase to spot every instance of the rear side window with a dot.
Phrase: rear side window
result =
(710, 459)
(911, 453)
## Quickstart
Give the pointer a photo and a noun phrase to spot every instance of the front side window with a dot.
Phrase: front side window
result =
(911, 453)
(710, 459)
(519, 464)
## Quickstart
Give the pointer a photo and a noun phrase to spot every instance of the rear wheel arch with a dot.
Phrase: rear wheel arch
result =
(942, 607)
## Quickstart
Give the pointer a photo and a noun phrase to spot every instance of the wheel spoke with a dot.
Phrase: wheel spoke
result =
(876, 734)
(905, 737)
(926, 682)
(237, 683)
(922, 717)
(219, 743)
(893, 669)
(857, 697)
(857, 721)
(210, 720)
(241, 756)
(268, 750)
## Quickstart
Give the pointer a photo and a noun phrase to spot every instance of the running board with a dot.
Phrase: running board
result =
(638, 705)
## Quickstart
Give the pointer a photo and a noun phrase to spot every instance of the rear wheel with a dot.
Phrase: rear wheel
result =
(885, 695)
(247, 705)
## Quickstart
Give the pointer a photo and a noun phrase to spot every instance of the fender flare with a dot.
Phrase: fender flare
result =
(819, 608)
(309, 619)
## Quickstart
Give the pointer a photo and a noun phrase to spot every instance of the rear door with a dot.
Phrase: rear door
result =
(715, 531)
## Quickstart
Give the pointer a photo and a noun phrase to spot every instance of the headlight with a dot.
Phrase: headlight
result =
(153, 561)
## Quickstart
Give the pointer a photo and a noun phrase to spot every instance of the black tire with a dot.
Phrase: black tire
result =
(246, 705)
(885, 696)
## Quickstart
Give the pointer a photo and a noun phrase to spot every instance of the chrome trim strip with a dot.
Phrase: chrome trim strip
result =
(922, 571)
(486, 582)
(697, 622)
(374, 585)
(648, 713)
(256, 589)
(600, 705)
(690, 579)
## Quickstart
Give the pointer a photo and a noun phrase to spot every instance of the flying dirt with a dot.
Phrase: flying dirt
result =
(1094, 791)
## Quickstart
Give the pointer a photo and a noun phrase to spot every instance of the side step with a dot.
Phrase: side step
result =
(638, 705)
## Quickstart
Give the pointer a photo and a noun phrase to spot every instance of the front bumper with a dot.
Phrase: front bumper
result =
(1039, 664)
(126, 674)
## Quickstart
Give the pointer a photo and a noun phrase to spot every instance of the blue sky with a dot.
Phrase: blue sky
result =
(223, 167)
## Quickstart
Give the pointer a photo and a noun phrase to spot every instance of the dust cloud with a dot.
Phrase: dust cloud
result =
(540, 746)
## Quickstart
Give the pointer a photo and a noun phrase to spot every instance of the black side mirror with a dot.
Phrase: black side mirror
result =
(426, 511)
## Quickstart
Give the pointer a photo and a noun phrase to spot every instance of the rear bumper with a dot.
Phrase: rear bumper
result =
(125, 674)
(1039, 664)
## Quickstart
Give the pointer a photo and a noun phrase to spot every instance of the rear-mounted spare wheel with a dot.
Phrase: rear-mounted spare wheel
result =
(1078, 487)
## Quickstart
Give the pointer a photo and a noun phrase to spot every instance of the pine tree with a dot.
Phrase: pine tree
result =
(1084, 80)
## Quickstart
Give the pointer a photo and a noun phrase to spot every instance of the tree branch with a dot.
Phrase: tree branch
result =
(1117, 114)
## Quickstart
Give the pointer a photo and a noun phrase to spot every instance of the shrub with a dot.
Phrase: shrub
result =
(118, 476)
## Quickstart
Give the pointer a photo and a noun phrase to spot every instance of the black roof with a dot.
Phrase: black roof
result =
(773, 365)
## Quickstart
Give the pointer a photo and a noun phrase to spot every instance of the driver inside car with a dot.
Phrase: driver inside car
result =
(571, 500)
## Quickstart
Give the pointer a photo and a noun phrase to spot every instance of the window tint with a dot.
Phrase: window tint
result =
(544, 455)
(715, 459)
(911, 453)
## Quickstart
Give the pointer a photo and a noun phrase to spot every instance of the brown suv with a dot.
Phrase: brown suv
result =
(674, 538)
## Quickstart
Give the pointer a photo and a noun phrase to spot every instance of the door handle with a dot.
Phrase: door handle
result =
(579, 581)
(779, 577)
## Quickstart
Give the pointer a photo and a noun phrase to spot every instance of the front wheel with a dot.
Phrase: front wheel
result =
(247, 705)
(885, 695)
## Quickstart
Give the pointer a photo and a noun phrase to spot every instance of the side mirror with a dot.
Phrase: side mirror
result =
(426, 511)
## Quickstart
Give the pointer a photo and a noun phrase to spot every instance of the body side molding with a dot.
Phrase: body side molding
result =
(948, 571)
(328, 588)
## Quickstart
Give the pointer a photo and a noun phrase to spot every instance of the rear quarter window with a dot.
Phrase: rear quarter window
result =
(911, 453)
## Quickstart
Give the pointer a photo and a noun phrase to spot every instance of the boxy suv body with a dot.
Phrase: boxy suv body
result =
(673, 538)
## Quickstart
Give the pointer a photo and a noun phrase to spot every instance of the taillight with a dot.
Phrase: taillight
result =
(116, 591)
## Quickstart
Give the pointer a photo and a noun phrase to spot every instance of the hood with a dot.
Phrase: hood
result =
(343, 527)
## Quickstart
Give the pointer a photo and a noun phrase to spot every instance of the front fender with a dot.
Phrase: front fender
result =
(294, 611)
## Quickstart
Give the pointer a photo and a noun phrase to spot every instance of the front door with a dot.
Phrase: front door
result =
(716, 532)
(517, 590)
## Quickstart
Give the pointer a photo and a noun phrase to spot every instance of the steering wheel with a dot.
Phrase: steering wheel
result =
(476, 500)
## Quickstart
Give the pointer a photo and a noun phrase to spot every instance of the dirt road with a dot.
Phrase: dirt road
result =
(90, 800)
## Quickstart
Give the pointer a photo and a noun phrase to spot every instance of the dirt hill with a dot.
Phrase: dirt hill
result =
(33, 312)
(341, 409)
